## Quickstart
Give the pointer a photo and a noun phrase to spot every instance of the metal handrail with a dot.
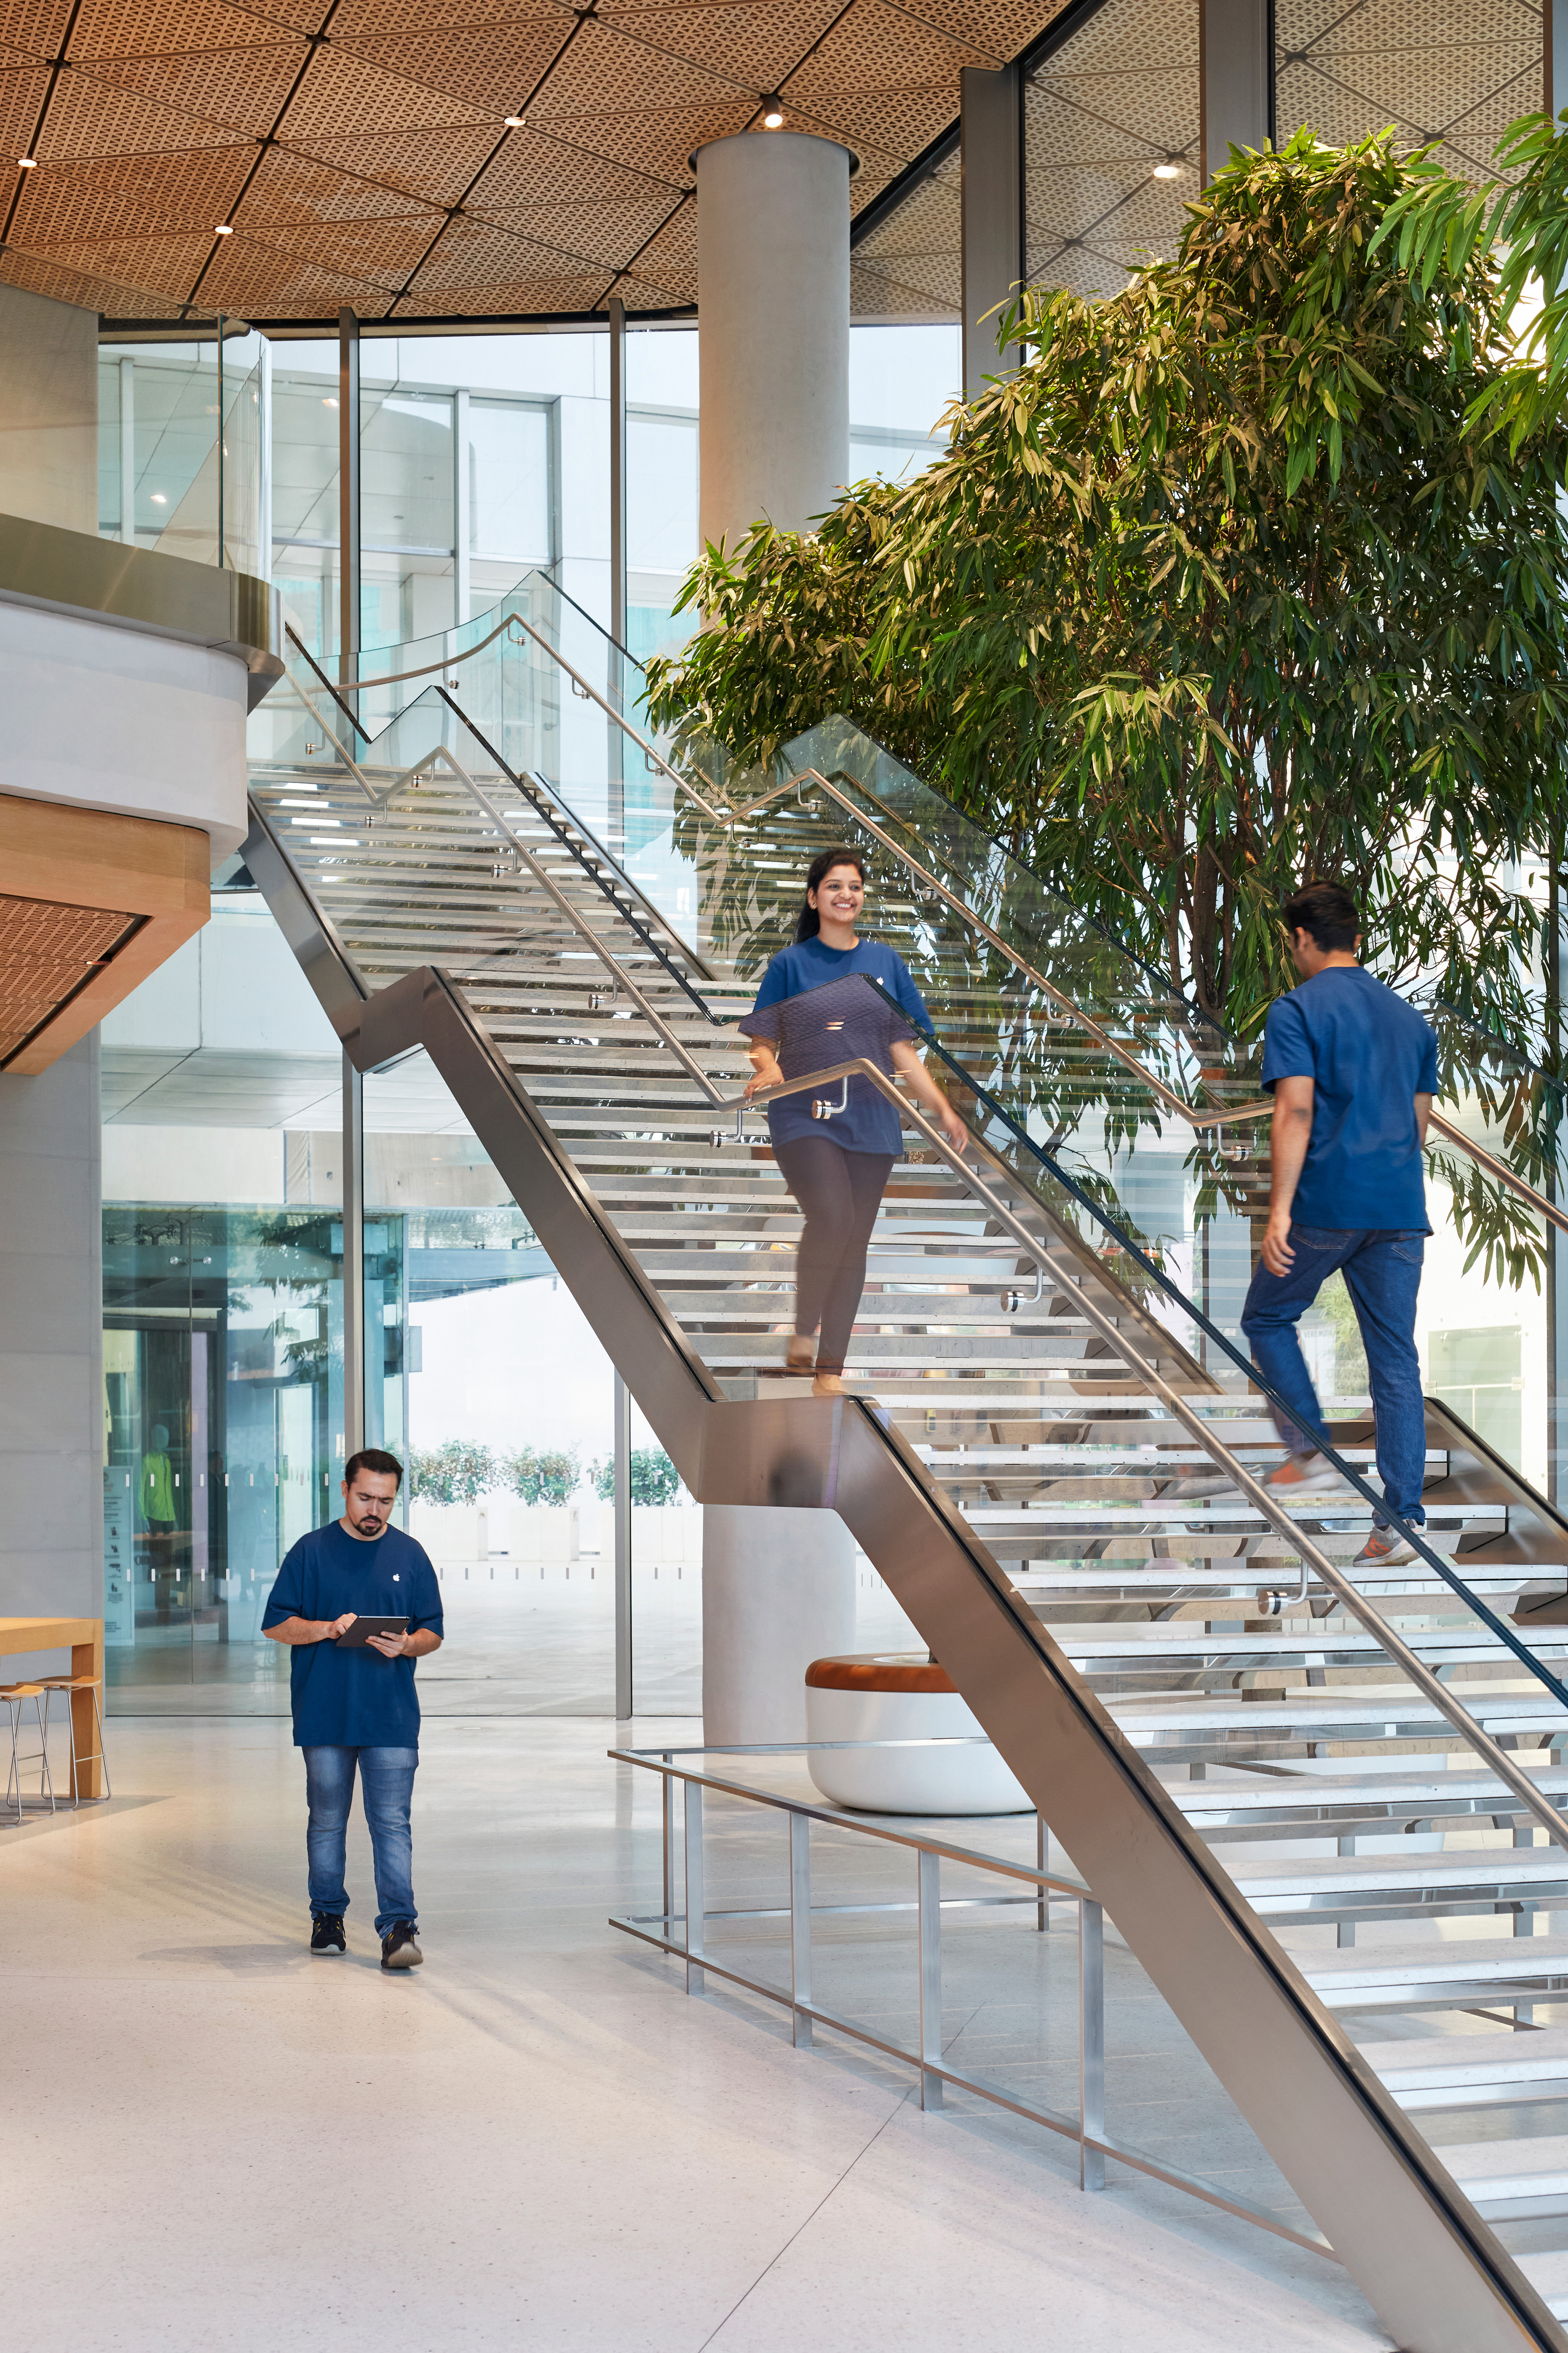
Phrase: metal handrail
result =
(397, 677)
(1490, 1166)
(1325, 1570)
(597, 847)
(1177, 1105)
(934, 2069)
(585, 931)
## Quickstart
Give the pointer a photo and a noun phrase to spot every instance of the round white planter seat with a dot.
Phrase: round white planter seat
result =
(902, 1697)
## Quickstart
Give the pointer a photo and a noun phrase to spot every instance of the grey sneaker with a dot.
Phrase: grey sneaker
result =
(398, 1950)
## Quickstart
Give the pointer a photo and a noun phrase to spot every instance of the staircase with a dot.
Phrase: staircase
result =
(1234, 1742)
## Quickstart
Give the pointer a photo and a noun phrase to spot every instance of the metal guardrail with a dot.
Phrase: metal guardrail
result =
(1068, 1010)
(691, 1916)
(1418, 2246)
(522, 786)
(1177, 1105)
(1327, 1573)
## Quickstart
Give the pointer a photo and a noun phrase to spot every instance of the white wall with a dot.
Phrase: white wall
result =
(51, 1381)
(48, 410)
(195, 1164)
(234, 986)
(110, 718)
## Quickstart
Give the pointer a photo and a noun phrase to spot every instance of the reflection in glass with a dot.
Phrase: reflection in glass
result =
(164, 480)
(223, 1410)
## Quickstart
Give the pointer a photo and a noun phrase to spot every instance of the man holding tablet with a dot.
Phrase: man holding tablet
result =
(358, 1602)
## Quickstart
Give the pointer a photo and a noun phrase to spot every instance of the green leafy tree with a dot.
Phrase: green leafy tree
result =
(550, 1477)
(654, 1478)
(457, 1472)
(1225, 587)
(1233, 584)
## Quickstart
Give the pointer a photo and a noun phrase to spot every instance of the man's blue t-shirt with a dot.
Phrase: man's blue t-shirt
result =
(353, 1698)
(1368, 1054)
(870, 1123)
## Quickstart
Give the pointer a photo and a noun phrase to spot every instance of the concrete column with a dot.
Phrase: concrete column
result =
(48, 410)
(773, 322)
(993, 204)
(1236, 59)
(51, 1349)
(778, 1592)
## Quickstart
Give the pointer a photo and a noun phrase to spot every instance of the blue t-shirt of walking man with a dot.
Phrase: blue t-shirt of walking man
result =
(353, 1698)
(1368, 1054)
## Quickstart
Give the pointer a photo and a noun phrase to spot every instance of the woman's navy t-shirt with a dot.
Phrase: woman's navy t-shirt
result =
(870, 1123)
(353, 1698)
(1368, 1054)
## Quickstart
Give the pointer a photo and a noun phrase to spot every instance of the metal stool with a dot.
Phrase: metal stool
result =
(13, 1694)
(70, 1684)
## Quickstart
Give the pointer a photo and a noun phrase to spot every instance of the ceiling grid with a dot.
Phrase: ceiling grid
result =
(484, 159)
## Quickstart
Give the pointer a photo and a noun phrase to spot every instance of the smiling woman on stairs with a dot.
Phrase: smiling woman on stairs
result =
(836, 1152)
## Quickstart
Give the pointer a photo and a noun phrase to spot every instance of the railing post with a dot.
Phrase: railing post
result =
(625, 1695)
(348, 506)
(667, 1805)
(355, 1381)
(1091, 2043)
(800, 1926)
(1042, 1847)
(694, 1830)
(930, 1979)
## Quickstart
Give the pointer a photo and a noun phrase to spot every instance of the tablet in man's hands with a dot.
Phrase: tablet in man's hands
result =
(359, 1633)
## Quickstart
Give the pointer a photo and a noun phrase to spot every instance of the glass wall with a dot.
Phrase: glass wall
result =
(484, 457)
(222, 1309)
(456, 491)
(223, 1409)
(166, 478)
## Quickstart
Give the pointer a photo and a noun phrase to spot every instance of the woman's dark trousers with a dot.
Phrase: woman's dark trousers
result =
(840, 1193)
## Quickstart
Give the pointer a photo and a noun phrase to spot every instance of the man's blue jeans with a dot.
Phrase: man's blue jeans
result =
(1382, 1275)
(388, 1783)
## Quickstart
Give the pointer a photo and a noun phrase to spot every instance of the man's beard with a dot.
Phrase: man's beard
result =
(368, 1528)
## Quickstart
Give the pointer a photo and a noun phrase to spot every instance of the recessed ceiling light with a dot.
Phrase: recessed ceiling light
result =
(1172, 170)
(221, 228)
(27, 163)
(329, 402)
(159, 500)
(772, 113)
(514, 122)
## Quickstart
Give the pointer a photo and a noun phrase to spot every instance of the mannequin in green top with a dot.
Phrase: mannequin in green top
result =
(156, 1492)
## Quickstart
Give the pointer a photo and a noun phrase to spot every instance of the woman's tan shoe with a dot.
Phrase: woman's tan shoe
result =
(828, 1384)
(801, 1356)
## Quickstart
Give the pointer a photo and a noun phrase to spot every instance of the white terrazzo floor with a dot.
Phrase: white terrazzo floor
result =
(213, 2141)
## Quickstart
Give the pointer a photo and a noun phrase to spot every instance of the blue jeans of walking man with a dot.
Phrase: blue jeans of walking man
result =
(387, 1779)
(1382, 1275)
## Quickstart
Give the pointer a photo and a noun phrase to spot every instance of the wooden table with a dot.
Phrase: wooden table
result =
(84, 1639)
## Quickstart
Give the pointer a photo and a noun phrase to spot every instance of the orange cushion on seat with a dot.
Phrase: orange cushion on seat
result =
(872, 1673)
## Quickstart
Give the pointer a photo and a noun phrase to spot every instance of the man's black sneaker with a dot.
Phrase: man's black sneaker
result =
(398, 1950)
(326, 1933)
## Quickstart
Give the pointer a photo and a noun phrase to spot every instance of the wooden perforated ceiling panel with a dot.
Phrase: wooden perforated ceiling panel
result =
(359, 150)
(47, 953)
